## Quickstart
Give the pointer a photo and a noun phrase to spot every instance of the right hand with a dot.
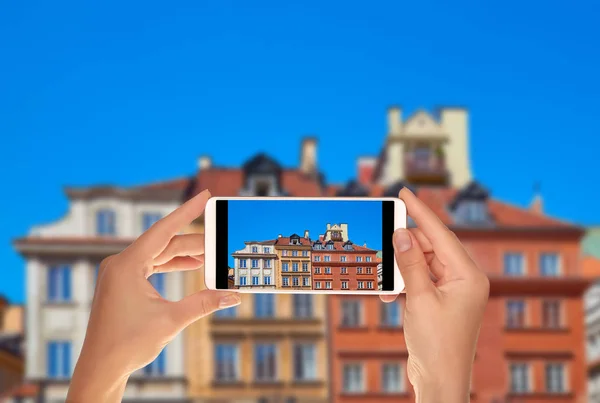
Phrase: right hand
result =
(446, 295)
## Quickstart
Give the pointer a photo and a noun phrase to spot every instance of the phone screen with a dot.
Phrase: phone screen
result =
(318, 245)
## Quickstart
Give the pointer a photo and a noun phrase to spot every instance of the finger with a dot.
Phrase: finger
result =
(180, 263)
(181, 245)
(202, 303)
(387, 298)
(444, 243)
(155, 240)
(437, 268)
(411, 262)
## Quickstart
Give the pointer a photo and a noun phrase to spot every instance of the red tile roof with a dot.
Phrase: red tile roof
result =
(174, 184)
(285, 240)
(339, 246)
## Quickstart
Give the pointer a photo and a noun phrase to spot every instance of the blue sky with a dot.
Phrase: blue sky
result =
(130, 92)
(264, 220)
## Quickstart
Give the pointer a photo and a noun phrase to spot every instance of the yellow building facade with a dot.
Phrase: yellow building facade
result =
(293, 264)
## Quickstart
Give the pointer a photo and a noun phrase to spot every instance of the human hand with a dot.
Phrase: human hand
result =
(130, 323)
(446, 295)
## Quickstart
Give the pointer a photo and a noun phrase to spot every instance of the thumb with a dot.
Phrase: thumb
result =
(203, 303)
(411, 262)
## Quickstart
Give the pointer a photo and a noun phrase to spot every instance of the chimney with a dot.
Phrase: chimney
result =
(204, 162)
(308, 155)
(306, 234)
(394, 116)
(366, 167)
(321, 237)
(279, 236)
(328, 226)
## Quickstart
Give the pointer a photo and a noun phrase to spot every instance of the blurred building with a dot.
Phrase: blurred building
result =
(530, 346)
(271, 348)
(62, 260)
(11, 346)
(591, 269)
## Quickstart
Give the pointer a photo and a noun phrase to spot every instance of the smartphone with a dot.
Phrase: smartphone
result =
(302, 245)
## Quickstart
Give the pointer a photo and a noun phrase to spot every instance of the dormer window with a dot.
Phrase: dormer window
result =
(317, 245)
(262, 177)
(470, 206)
(348, 246)
(255, 249)
(294, 240)
(330, 246)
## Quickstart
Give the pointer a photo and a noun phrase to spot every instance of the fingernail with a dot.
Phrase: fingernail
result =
(229, 300)
(402, 240)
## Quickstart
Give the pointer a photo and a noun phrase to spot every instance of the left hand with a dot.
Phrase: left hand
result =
(130, 323)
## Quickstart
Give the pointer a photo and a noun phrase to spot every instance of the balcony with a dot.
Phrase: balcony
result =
(426, 167)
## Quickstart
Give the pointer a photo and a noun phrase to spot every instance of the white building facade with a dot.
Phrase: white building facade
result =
(254, 266)
(61, 268)
(592, 319)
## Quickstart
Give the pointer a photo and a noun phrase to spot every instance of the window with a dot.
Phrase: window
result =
(318, 246)
(226, 362)
(58, 359)
(294, 266)
(294, 253)
(265, 362)
(369, 270)
(344, 285)
(227, 312)
(295, 282)
(317, 258)
(243, 263)
(157, 367)
(295, 241)
(59, 283)
(359, 270)
(514, 264)
(390, 314)
(551, 314)
(515, 314)
(267, 249)
(471, 211)
(158, 282)
(255, 280)
(286, 281)
(327, 258)
(330, 246)
(284, 252)
(328, 270)
(264, 305)
(285, 267)
(105, 222)
(353, 378)
(254, 263)
(348, 247)
(368, 259)
(519, 378)
(370, 285)
(304, 253)
(549, 264)
(243, 280)
(359, 258)
(360, 285)
(318, 285)
(305, 281)
(267, 280)
(351, 313)
(342, 258)
(555, 378)
(305, 366)
(254, 249)
(304, 266)
(267, 263)
(148, 220)
(344, 270)
(317, 270)
(328, 285)
(303, 305)
(392, 380)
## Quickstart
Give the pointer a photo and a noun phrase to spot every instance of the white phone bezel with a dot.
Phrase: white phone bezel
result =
(210, 226)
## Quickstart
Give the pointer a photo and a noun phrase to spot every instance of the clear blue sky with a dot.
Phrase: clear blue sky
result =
(264, 220)
(130, 92)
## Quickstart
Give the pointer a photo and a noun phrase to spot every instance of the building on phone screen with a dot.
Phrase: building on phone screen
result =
(339, 264)
(293, 262)
(254, 266)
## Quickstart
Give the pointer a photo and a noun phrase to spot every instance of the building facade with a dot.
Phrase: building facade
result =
(294, 262)
(62, 260)
(271, 348)
(591, 267)
(254, 266)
